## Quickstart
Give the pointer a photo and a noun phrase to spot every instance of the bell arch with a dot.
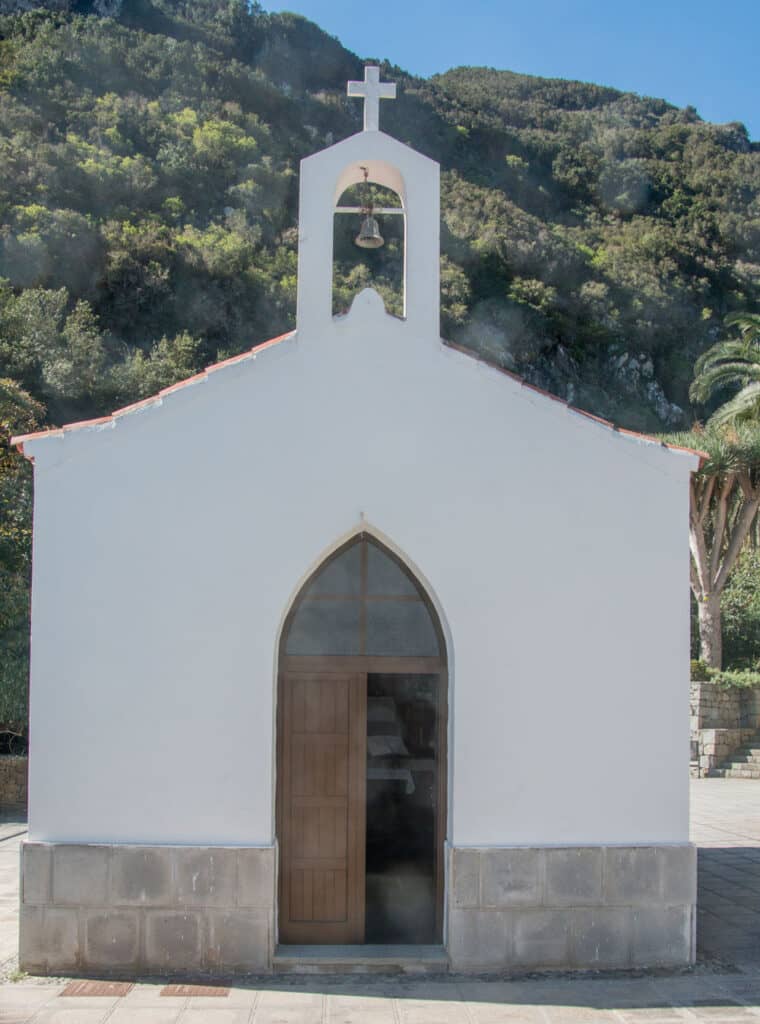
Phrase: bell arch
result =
(369, 246)
(392, 165)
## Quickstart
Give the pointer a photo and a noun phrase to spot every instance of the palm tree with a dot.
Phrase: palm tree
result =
(731, 362)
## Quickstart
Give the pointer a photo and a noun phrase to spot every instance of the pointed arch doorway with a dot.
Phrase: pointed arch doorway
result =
(361, 755)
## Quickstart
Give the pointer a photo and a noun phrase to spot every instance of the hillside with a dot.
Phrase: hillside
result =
(593, 240)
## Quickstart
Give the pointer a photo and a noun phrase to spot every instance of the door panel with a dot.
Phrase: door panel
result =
(322, 807)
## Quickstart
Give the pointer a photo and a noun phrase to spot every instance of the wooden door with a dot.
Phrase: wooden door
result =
(322, 807)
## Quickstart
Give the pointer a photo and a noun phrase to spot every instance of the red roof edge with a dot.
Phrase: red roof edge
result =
(19, 441)
(649, 438)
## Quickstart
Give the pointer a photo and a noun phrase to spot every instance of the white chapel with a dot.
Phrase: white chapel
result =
(356, 645)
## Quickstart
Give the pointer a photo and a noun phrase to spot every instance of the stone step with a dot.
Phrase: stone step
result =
(742, 758)
(360, 960)
(735, 773)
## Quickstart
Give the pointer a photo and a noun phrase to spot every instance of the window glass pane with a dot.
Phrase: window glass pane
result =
(325, 627)
(400, 629)
(385, 577)
(340, 576)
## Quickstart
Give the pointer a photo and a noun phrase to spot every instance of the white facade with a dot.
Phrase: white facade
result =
(171, 540)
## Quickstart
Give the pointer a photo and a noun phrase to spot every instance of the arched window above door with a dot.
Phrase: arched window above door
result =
(362, 601)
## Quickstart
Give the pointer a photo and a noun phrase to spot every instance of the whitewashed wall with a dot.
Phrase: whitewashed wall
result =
(169, 545)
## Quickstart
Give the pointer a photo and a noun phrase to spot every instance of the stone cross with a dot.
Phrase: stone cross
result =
(373, 90)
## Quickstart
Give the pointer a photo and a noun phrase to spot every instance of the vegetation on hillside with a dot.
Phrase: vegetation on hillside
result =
(593, 240)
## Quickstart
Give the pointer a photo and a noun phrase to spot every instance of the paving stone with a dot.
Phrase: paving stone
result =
(141, 876)
(146, 994)
(495, 1013)
(216, 1015)
(289, 1008)
(65, 1014)
(414, 1011)
(124, 1014)
(236, 997)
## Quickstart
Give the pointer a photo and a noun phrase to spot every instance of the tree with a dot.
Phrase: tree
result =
(19, 413)
(724, 501)
(731, 362)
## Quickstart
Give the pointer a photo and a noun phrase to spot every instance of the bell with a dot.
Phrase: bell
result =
(369, 236)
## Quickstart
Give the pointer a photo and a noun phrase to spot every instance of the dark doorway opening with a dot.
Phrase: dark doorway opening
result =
(401, 808)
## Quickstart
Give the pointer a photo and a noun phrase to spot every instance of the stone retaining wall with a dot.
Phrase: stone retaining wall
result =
(13, 776)
(722, 721)
(146, 909)
(572, 907)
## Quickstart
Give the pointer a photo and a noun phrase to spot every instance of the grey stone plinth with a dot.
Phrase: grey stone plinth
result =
(465, 879)
(48, 940)
(206, 877)
(150, 909)
(80, 875)
(141, 876)
(111, 938)
(479, 940)
(570, 907)
(36, 875)
(238, 940)
(509, 878)
(632, 876)
(660, 936)
(173, 940)
(256, 877)
(541, 937)
(573, 876)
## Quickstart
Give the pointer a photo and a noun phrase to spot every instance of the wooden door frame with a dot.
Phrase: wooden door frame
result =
(370, 665)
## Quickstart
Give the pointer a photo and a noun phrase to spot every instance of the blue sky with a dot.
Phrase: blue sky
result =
(696, 52)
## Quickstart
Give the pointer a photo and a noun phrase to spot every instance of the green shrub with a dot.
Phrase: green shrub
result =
(700, 673)
(740, 607)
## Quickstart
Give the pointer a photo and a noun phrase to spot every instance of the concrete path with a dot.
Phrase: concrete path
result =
(725, 825)
(12, 831)
(724, 987)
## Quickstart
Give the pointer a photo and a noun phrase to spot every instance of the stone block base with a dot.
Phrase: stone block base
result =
(146, 909)
(571, 907)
